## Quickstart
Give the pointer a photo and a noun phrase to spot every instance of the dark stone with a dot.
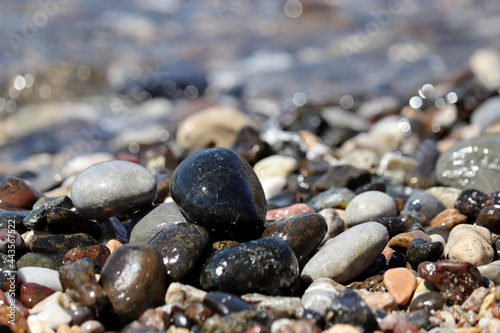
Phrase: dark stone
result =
(16, 193)
(13, 219)
(56, 246)
(424, 203)
(234, 322)
(181, 320)
(149, 222)
(225, 303)
(342, 176)
(81, 315)
(470, 202)
(32, 293)
(333, 198)
(303, 232)
(349, 308)
(420, 318)
(136, 327)
(428, 301)
(419, 250)
(300, 188)
(411, 217)
(79, 282)
(183, 247)
(157, 318)
(456, 280)
(66, 221)
(31, 259)
(37, 218)
(394, 225)
(134, 279)
(249, 145)
(113, 229)
(396, 259)
(266, 265)
(489, 217)
(12, 243)
(97, 253)
(8, 272)
(219, 190)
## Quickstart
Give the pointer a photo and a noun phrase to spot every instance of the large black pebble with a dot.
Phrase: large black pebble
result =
(219, 190)
(349, 308)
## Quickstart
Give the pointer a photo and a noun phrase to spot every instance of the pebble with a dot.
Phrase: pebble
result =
(53, 316)
(224, 303)
(380, 300)
(447, 195)
(342, 176)
(233, 322)
(280, 304)
(362, 158)
(113, 244)
(335, 224)
(364, 243)
(79, 282)
(487, 113)
(216, 126)
(334, 198)
(403, 240)
(428, 301)
(288, 211)
(46, 277)
(320, 294)
(183, 294)
(31, 259)
(97, 253)
(400, 283)
(456, 280)
(11, 240)
(420, 250)
(448, 218)
(33, 293)
(367, 206)
(275, 166)
(273, 186)
(489, 217)
(425, 203)
(15, 193)
(92, 326)
(491, 271)
(148, 222)
(12, 321)
(394, 225)
(349, 308)
(302, 232)
(14, 218)
(143, 287)
(183, 247)
(396, 166)
(109, 188)
(475, 300)
(37, 218)
(219, 190)
(265, 265)
(471, 164)
(249, 145)
(470, 243)
(65, 221)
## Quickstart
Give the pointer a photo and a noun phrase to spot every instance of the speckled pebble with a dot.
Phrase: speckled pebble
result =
(470, 243)
(367, 206)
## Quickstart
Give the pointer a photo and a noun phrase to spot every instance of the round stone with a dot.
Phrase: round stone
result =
(134, 279)
(349, 254)
(265, 265)
(110, 188)
(424, 203)
(367, 206)
(220, 191)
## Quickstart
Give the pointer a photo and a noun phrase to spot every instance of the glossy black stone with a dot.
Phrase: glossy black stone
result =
(219, 190)
(266, 265)
(37, 218)
(394, 225)
(349, 308)
(420, 318)
(470, 202)
(432, 300)
(420, 250)
(181, 320)
(225, 303)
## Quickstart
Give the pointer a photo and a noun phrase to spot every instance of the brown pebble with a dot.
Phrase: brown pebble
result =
(400, 283)
(6, 317)
(448, 218)
(403, 240)
(92, 326)
(98, 253)
(154, 318)
(113, 244)
(16, 193)
(378, 300)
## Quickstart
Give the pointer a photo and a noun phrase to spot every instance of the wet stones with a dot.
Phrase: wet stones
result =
(97, 253)
(489, 217)
(219, 190)
(369, 205)
(428, 301)
(142, 287)
(349, 308)
(182, 247)
(266, 265)
(32, 293)
(365, 242)
(472, 163)
(110, 188)
(456, 280)
(420, 250)
(302, 232)
(16, 193)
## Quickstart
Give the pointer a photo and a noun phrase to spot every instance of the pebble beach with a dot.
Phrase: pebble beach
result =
(247, 167)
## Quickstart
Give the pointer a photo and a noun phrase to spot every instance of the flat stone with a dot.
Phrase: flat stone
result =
(265, 265)
(349, 254)
(472, 163)
(109, 188)
(303, 232)
(456, 280)
(219, 190)
(400, 283)
(367, 206)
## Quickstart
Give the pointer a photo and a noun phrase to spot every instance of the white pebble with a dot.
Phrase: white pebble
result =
(43, 276)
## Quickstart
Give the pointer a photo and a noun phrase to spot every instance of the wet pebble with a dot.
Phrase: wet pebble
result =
(471, 243)
(428, 301)
(184, 294)
(349, 308)
(276, 304)
(134, 279)
(294, 326)
(33, 293)
(367, 206)
(16, 193)
(335, 224)
(420, 250)
(403, 240)
(364, 243)
(219, 190)
(333, 198)
(12, 240)
(249, 145)
(110, 188)
(97, 253)
(65, 221)
(456, 280)
(400, 283)
(489, 217)
(79, 282)
(491, 271)
(475, 300)
(224, 303)
(266, 265)
(37, 218)
(302, 232)
(46, 277)
(31, 259)
(92, 326)
(13, 219)
(394, 225)
(183, 247)
(275, 166)
(448, 219)
(343, 176)
(320, 294)
(470, 202)
(233, 322)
